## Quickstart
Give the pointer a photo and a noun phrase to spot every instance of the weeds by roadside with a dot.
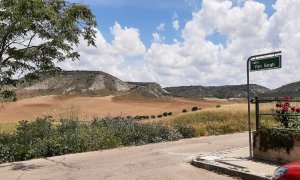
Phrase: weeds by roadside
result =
(44, 138)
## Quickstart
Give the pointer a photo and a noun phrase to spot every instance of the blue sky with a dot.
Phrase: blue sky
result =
(147, 15)
(192, 42)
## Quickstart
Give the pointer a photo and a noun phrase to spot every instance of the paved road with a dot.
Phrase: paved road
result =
(168, 160)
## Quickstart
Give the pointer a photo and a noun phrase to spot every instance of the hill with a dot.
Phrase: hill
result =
(96, 83)
(292, 89)
(229, 91)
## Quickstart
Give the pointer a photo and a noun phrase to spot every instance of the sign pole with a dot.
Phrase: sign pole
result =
(249, 119)
(248, 96)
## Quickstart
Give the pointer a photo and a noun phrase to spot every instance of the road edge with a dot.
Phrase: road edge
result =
(231, 172)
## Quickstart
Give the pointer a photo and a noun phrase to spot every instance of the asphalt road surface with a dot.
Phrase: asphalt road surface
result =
(167, 160)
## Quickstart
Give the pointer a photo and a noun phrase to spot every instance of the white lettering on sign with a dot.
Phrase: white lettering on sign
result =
(269, 65)
(258, 66)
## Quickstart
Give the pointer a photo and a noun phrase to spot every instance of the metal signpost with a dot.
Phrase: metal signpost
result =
(257, 63)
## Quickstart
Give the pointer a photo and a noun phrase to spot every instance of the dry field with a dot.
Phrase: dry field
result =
(88, 107)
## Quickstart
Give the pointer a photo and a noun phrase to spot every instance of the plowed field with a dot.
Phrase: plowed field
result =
(88, 107)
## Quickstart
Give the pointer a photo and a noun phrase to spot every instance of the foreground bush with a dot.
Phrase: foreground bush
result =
(44, 137)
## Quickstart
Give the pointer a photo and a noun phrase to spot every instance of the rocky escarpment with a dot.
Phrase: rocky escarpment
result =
(89, 83)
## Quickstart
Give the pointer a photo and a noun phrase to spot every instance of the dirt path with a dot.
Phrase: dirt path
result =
(88, 107)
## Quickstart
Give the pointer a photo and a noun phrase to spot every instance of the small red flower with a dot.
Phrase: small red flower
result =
(285, 108)
(298, 110)
(293, 109)
(278, 105)
(287, 97)
(286, 104)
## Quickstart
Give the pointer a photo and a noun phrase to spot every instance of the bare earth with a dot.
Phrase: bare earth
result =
(161, 161)
(88, 107)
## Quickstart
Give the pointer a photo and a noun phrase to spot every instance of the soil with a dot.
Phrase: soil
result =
(86, 108)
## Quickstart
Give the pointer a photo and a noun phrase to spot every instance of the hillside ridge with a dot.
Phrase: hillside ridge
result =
(99, 83)
(96, 83)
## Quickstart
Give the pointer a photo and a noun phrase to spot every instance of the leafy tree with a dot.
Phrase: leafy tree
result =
(34, 34)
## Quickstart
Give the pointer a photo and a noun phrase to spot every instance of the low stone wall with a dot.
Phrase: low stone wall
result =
(277, 156)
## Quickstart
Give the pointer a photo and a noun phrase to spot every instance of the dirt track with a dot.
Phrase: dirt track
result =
(88, 107)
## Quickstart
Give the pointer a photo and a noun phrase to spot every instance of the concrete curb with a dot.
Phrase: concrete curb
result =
(231, 172)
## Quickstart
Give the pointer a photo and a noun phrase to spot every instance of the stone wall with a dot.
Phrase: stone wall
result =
(277, 156)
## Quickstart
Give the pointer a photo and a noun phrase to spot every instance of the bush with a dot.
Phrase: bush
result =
(165, 114)
(43, 138)
(159, 116)
(186, 131)
(274, 138)
(170, 113)
(184, 110)
(218, 106)
(153, 117)
(133, 133)
(195, 108)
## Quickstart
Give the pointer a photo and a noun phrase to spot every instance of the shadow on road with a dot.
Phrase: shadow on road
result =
(23, 167)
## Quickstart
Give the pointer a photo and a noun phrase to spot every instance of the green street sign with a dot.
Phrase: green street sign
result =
(266, 63)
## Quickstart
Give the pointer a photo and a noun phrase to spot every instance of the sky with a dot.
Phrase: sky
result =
(192, 42)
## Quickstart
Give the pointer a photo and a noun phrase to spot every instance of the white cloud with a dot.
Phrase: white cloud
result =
(157, 38)
(127, 41)
(196, 60)
(161, 27)
(108, 57)
(175, 24)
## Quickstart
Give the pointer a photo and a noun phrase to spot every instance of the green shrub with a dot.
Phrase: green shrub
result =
(133, 133)
(44, 137)
(159, 116)
(218, 106)
(277, 139)
(165, 114)
(153, 117)
(186, 131)
(184, 110)
(170, 113)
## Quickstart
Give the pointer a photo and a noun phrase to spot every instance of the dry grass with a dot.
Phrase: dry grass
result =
(212, 121)
(8, 127)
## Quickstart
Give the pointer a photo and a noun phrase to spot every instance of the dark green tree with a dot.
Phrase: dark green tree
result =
(35, 34)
